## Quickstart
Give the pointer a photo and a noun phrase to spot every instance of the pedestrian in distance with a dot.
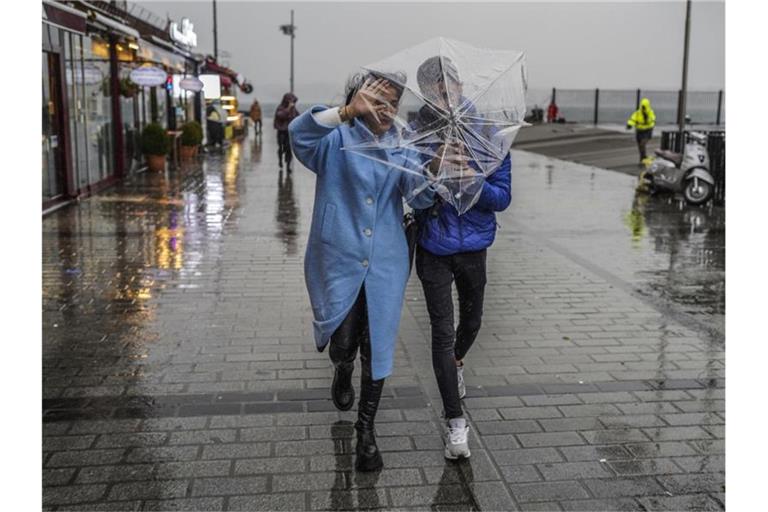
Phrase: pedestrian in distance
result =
(356, 265)
(215, 124)
(255, 115)
(643, 120)
(451, 248)
(284, 114)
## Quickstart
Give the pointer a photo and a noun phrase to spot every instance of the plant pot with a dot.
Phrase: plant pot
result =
(156, 163)
(188, 152)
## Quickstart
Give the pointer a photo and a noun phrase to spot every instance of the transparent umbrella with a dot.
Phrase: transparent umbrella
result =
(459, 112)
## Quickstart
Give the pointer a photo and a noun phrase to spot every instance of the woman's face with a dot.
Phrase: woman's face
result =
(387, 100)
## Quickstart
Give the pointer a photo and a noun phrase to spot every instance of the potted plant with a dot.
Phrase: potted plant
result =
(191, 137)
(154, 145)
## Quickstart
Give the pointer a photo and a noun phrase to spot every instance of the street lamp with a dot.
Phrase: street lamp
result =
(290, 30)
(684, 92)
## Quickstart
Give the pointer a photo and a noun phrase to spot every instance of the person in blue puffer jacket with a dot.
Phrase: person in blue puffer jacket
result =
(452, 248)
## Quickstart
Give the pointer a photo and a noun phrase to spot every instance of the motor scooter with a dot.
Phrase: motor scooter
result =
(686, 173)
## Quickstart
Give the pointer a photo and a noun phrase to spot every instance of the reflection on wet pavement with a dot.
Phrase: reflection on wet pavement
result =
(664, 249)
(179, 370)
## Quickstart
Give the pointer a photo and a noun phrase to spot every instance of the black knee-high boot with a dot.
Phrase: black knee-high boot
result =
(368, 456)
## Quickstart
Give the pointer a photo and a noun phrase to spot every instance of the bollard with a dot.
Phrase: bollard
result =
(597, 102)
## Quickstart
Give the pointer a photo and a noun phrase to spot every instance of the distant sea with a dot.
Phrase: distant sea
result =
(579, 105)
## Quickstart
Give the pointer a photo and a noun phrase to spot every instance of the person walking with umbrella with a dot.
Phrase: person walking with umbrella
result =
(452, 248)
(643, 120)
(356, 265)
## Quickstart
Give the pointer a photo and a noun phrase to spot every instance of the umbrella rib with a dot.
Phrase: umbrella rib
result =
(483, 91)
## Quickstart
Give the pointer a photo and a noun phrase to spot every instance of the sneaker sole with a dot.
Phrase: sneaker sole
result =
(451, 456)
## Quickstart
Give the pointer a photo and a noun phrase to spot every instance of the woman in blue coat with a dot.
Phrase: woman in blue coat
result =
(356, 265)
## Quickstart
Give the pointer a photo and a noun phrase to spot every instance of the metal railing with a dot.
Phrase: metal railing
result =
(615, 106)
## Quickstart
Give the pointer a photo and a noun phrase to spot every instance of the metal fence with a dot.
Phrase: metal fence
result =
(716, 149)
(615, 106)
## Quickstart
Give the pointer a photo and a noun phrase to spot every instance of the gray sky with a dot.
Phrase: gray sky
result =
(611, 45)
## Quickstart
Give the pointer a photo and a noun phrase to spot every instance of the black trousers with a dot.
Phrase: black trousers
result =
(284, 147)
(437, 274)
(642, 137)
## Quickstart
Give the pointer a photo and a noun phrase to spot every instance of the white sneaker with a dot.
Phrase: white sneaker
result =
(455, 439)
(462, 386)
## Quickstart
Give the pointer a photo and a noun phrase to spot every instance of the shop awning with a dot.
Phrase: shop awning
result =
(64, 16)
(116, 26)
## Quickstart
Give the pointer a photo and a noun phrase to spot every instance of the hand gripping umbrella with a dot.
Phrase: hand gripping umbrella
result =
(459, 113)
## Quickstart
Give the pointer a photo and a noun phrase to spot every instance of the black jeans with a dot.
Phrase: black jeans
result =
(284, 147)
(437, 274)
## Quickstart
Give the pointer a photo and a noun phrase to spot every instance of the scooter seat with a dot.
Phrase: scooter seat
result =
(675, 158)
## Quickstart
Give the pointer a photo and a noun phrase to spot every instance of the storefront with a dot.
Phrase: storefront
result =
(92, 112)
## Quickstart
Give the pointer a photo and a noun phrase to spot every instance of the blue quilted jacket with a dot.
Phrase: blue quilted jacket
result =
(443, 231)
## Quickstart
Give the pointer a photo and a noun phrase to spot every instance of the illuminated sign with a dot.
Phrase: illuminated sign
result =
(211, 86)
(148, 76)
(191, 83)
(184, 33)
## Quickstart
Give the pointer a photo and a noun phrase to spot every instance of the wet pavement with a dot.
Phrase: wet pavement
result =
(179, 370)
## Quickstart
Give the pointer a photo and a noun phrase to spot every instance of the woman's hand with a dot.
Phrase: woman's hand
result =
(369, 100)
(452, 153)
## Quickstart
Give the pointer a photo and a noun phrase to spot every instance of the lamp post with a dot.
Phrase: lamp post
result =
(684, 90)
(290, 30)
(215, 34)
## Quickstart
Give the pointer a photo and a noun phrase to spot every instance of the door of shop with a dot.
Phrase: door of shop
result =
(54, 161)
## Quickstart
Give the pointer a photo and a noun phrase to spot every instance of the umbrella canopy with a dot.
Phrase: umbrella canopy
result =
(459, 112)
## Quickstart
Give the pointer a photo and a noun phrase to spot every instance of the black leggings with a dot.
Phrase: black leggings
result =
(437, 274)
(354, 333)
(284, 147)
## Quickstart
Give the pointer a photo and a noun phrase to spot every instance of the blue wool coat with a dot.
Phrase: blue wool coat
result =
(357, 234)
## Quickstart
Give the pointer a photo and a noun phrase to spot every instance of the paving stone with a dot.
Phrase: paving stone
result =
(550, 439)
(614, 435)
(131, 440)
(623, 487)
(270, 465)
(604, 505)
(187, 504)
(122, 473)
(520, 413)
(520, 474)
(57, 476)
(687, 502)
(269, 502)
(65, 494)
(690, 483)
(345, 499)
(193, 469)
(217, 436)
(595, 453)
(149, 490)
(428, 495)
(85, 457)
(272, 434)
(54, 443)
(102, 506)
(507, 427)
(526, 456)
(229, 486)
(566, 424)
(547, 491)
(574, 470)
(676, 433)
(252, 420)
(491, 496)
(162, 453)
